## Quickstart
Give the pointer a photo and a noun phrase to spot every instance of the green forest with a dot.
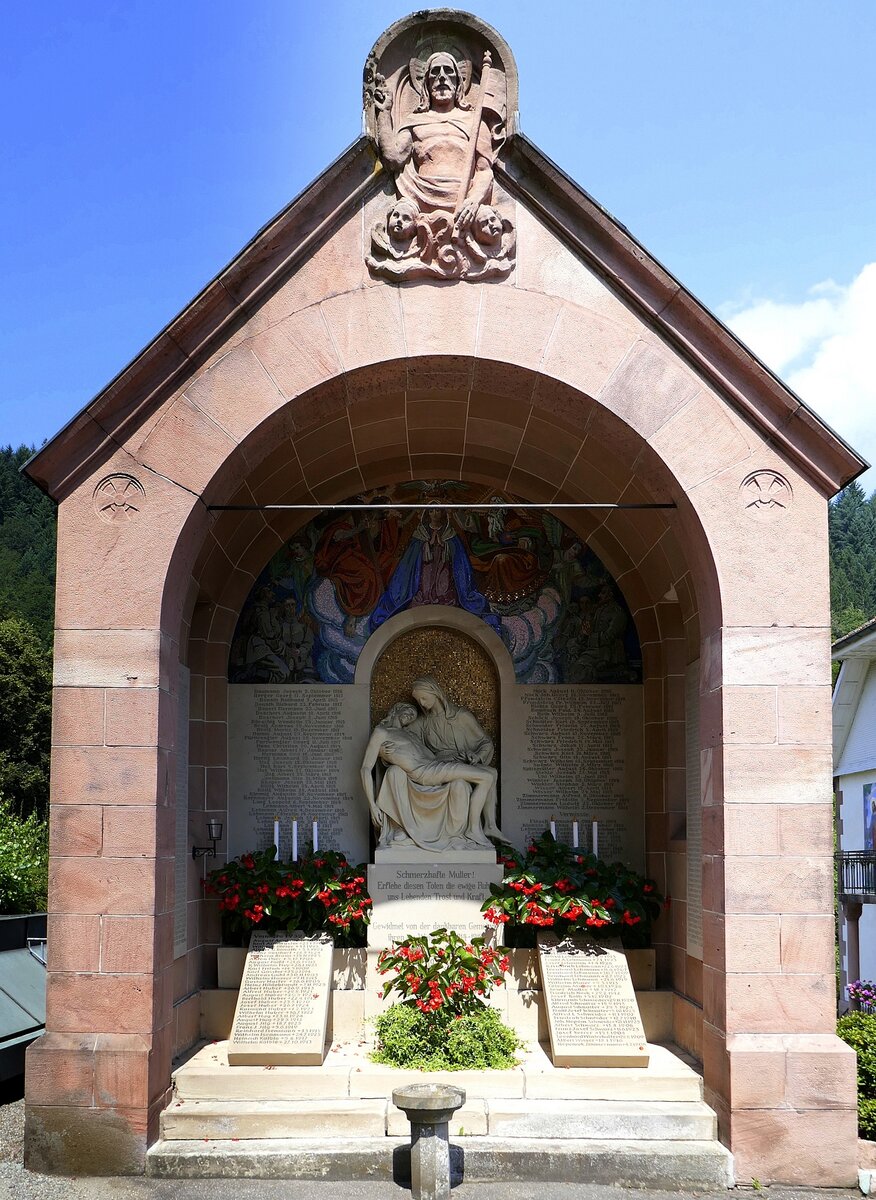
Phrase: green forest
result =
(27, 587)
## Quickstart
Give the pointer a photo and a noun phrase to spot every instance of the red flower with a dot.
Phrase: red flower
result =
(247, 861)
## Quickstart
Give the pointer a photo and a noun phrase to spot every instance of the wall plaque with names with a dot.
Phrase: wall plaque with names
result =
(593, 1016)
(282, 1008)
(574, 752)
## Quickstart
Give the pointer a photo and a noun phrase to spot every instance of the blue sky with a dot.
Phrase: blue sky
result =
(146, 141)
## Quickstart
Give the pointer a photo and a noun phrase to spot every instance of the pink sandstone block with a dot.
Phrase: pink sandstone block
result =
(807, 942)
(127, 945)
(516, 325)
(751, 829)
(680, 444)
(778, 774)
(167, 449)
(820, 1073)
(132, 717)
(106, 657)
(60, 1069)
(749, 715)
(99, 775)
(77, 716)
(805, 714)
(752, 943)
(76, 829)
(774, 1004)
(108, 1003)
(365, 324)
(816, 1148)
(102, 885)
(73, 942)
(792, 885)
(121, 1071)
(648, 388)
(236, 393)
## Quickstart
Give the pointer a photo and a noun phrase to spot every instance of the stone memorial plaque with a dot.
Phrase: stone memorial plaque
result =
(415, 898)
(294, 751)
(282, 1008)
(593, 1016)
(574, 752)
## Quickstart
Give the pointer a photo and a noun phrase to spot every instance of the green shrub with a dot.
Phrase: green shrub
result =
(422, 1041)
(24, 861)
(858, 1030)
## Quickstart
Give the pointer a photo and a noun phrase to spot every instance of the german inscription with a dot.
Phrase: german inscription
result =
(292, 753)
(593, 1016)
(577, 756)
(283, 1003)
(417, 898)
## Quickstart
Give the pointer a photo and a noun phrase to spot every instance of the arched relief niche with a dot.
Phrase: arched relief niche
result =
(319, 627)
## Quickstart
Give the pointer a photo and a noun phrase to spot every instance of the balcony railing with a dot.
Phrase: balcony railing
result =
(856, 872)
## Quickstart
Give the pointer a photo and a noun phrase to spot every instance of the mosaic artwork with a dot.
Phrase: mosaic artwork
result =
(559, 613)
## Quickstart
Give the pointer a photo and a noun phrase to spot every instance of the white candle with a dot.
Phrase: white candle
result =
(295, 839)
(277, 834)
(315, 838)
(595, 839)
(574, 835)
(553, 829)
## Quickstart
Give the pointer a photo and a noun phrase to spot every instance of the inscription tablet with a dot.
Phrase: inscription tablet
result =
(593, 1016)
(414, 898)
(282, 1008)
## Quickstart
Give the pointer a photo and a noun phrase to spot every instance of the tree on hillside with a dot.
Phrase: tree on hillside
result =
(852, 518)
(27, 546)
(25, 717)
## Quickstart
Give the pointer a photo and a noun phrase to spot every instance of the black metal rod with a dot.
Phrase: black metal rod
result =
(423, 504)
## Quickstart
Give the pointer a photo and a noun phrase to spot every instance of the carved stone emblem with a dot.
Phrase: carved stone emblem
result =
(765, 495)
(118, 498)
(440, 123)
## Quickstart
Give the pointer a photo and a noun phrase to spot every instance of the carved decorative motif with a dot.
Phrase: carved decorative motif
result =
(440, 123)
(765, 495)
(118, 498)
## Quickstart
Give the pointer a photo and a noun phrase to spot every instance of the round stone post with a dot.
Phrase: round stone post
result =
(429, 1107)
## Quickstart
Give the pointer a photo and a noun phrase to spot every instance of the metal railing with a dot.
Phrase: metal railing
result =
(856, 872)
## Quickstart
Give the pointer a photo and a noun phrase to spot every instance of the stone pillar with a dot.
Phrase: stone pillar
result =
(782, 1082)
(852, 910)
(99, 1076)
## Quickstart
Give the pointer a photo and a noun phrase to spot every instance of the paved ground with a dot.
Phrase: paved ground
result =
(18, 1184)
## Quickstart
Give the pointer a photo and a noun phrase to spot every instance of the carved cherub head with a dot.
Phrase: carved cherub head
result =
(489, 227)
(401, 224)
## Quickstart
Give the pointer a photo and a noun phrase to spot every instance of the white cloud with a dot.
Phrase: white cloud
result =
(824, 347)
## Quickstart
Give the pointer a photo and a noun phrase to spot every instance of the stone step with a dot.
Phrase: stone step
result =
(248, 1120)
(602, 1120)
(189, 1120)
(662, 1165)
(207, 1076)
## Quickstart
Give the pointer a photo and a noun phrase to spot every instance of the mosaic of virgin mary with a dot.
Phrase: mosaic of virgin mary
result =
(521, 571)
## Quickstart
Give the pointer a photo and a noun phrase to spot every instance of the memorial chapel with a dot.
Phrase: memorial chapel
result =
(444, 451)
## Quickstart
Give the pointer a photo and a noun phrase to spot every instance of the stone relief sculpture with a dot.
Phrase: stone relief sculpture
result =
(438, 134)
(438, 791)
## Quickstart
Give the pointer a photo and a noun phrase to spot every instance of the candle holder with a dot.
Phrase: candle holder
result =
(214, 833)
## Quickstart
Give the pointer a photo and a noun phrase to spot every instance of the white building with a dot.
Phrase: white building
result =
(854, 767)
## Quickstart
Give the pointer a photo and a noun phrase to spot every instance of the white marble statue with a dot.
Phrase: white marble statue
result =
(435, 798)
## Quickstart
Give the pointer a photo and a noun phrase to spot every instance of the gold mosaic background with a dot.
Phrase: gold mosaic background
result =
(458, 662)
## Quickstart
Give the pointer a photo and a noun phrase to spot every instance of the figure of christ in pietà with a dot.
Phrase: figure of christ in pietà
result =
(434, 803)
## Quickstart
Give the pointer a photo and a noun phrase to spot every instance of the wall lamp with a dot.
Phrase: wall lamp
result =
(214, 833)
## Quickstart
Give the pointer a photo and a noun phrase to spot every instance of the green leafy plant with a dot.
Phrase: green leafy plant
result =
(442, 971)
(318, 893)
(442, 1021)
(553, 885)
(24, 858)
(858, 1030)
(424, 1041)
